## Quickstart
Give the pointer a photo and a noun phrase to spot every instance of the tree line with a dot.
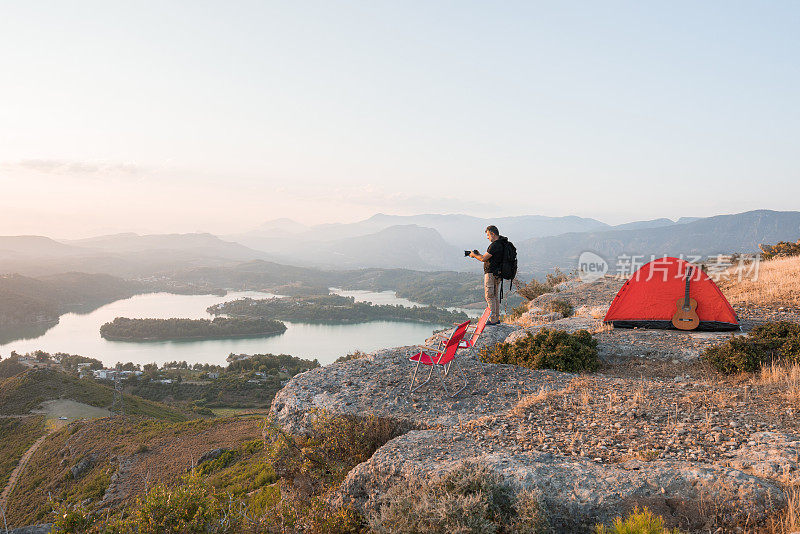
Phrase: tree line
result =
(332, 309)
(125, 329)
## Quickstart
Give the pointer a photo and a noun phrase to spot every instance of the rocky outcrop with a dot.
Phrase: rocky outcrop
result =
(503, 420)
(82, 466)
(574, 493)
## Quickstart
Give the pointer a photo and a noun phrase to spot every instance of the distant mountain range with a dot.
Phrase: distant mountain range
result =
(127, 255)
(721, 234)
(435, 242)
(420, 242)
(460, 231)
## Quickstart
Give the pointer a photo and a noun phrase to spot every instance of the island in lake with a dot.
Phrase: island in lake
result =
(332, 309)
(125, 329)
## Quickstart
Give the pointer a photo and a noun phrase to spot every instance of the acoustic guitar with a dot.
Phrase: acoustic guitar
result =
(685, 317)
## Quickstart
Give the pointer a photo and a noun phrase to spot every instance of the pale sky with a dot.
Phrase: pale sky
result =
(215, 116)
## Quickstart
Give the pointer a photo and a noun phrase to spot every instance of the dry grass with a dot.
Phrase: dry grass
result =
(777, 284)
(787, 377)
(527, 402)
(789, 519)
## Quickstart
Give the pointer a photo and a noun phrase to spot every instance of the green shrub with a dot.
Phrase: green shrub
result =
(468, 499)
(548, 349)
(71, 520)
(220, 462)
(640, 521)
(561, 306)
(188, 508)
(771, 342)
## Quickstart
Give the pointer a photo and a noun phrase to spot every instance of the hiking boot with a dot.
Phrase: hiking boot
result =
(492, 323)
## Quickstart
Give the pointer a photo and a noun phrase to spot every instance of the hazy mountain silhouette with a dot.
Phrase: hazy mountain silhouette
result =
(721, 234)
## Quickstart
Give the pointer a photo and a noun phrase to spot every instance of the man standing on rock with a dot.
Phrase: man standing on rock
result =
(491, 268)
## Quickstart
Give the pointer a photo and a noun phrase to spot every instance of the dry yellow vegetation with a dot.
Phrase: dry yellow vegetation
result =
(777, 284)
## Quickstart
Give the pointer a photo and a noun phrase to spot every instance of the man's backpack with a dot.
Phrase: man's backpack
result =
(508, 265)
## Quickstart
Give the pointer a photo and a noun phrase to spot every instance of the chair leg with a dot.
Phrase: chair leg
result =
(444, 373)
(463, 375)
(442, 376)
(411, 386)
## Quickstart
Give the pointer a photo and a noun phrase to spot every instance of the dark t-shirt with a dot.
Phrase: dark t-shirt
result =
(496, 250)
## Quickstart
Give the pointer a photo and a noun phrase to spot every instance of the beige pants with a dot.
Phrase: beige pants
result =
(491, 291)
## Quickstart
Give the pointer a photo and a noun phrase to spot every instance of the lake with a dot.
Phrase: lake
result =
(80, 333)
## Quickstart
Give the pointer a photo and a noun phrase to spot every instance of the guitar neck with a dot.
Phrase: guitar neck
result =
(686, 295)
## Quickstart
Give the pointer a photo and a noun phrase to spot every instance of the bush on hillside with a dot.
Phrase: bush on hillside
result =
(564, 307)
(534, 288)
(782, 249)
(548, 349)
(640, 521)
(190, 507)
(468, 499)
(777, 342)
(516, 312)
(355, 355)
(333, 445)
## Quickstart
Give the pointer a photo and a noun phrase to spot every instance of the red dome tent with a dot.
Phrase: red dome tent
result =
(648, 299)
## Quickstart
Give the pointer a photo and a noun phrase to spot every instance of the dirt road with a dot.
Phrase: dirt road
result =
(20, 467)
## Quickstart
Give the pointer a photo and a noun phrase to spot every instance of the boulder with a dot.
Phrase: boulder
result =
(85, 463)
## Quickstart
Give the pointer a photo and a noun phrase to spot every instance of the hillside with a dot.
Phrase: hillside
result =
(10, 367)
(16, 435)
(106, 463)
(25, 392)
(777, 285)
(27, 301)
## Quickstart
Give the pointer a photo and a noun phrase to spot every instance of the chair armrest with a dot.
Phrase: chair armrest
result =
(425, 347)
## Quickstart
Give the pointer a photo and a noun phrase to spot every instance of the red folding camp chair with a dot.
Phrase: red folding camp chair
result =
(443, 357)
(476, 332)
